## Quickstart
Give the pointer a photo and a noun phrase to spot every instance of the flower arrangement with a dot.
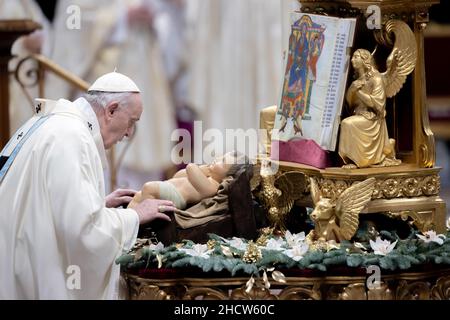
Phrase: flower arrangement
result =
(239, 255)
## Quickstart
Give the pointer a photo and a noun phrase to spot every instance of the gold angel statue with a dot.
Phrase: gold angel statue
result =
(339, 219)
(364, 139)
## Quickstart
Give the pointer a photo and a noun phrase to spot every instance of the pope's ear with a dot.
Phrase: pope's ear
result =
(111, 108)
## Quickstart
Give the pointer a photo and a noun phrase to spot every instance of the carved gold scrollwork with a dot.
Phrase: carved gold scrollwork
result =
(333, 292)
(423, 220)
(328, 189)
(301, 293)
(441, 291)
(390, 188)
(380, 292)
(431, 185)
(144, 291)
(413, 291)
(425, 286)
(256, 293)
(340, 187)
(354, 291)
(387, 188)
(205, 294)
(377, 193)
(411, 187)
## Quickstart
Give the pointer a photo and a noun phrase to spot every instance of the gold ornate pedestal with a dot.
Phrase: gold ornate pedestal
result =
(434, 285)
(404, 191)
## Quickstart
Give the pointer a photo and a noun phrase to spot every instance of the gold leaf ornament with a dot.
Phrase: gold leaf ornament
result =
(160, 260)
(249, 285)
(266, 280)
(278, 276)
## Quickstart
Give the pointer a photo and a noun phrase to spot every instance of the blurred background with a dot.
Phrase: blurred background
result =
(219, 61)
(437, 64)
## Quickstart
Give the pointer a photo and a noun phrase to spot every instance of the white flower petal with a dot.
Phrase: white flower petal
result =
(382, 247)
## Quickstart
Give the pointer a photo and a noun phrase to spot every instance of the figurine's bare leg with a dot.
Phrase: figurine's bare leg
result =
(136, 199)
(150, 190)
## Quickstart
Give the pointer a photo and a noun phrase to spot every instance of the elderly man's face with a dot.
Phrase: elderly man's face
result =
(121, 120)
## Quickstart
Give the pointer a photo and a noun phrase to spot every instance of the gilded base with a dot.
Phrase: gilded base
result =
(432, 285)
(405, 191)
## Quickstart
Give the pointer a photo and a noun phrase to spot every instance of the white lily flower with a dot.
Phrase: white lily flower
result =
(294, 239)
(297, 252)
(198, 250)
(382, 247)
(274, 244)
(237, 243)
(431, 236)
(156, 247)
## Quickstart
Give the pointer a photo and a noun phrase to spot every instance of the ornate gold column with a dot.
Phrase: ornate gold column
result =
(10, 30)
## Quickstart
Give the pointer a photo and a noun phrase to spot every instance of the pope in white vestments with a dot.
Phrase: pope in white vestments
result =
(57, 237)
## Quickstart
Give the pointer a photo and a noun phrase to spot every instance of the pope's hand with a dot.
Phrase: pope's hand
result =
(151, 209)
(119, 197)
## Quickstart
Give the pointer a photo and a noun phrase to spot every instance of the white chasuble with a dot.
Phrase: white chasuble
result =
(57, 238)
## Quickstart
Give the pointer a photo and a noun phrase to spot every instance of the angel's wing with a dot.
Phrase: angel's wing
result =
(402, 60)
(350, 203)
(256, 178)
(315, 190)
(292, 185)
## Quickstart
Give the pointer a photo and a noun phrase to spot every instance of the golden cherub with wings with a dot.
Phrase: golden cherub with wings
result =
(364, 140)
(339, 219)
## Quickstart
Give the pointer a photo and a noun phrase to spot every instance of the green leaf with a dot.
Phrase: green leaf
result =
(355, 260)
(336, 260)
(316, 256)
(218, 266)
(403, 263)
(206, 265)
(317, 266)
(125, 259)
(387, 263)
(181, 262)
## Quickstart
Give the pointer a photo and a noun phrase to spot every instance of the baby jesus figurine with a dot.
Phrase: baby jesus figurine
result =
(191, 185)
